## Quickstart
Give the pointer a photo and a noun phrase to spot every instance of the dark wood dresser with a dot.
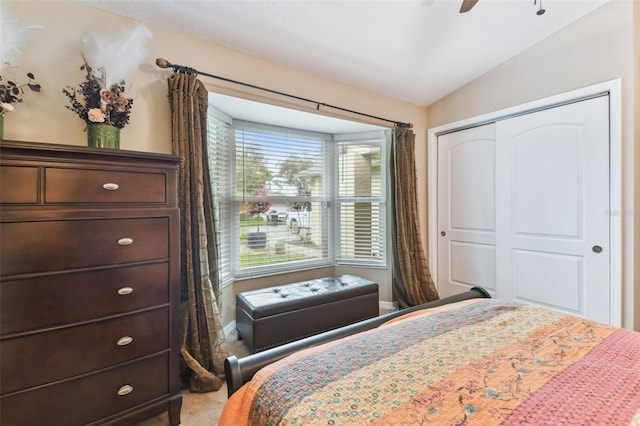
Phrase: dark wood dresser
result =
(89, 285)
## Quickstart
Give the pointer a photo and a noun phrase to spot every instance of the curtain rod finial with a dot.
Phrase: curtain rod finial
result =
(163, 63)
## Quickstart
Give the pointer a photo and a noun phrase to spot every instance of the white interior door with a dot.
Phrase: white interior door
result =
(552, 198)
(466, 210)
(523, 209)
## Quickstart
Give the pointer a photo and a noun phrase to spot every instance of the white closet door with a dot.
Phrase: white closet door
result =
(552, 214)
(466, 210)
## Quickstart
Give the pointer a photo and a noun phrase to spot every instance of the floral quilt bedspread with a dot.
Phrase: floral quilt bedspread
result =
(481, 362)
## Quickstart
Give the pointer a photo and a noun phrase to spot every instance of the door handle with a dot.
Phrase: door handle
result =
(596, 249)
(443, 233)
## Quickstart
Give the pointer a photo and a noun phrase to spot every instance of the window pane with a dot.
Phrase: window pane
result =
(279, 192)
(359, 169)
(361, 234)
(360, 203)
(278, 164)
(220, 155)
(288, 240)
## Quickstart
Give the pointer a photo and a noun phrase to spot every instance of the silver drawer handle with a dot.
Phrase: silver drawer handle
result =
(125, 241)
(125, 290)
(111, 186)
(124, 341)
(125, 390)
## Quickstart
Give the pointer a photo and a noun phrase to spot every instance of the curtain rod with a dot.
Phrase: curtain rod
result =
(163, 63)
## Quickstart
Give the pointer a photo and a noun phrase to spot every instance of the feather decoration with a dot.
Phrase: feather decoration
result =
(13, 36)
(116, 57)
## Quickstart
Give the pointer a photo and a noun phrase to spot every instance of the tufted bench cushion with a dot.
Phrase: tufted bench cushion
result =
(276, 315)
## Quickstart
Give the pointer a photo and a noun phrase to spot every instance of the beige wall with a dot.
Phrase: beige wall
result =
(596, 48)
(53, 55)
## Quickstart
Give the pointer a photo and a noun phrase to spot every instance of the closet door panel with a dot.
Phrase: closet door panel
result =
(466, 210)
(552, 202)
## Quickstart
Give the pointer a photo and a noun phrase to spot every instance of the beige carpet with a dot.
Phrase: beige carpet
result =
(203, 409)
(198, 409)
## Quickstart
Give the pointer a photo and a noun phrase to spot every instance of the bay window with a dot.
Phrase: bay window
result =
(288, 199)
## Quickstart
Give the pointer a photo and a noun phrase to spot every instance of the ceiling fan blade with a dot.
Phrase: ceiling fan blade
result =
(467, 5)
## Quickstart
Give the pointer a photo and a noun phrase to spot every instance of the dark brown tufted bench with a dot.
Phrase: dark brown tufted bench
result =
(276, 315)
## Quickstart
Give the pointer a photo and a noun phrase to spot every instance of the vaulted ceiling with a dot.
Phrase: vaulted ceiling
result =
(415, 51)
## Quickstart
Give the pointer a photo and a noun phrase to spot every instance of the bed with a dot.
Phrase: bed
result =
(464, 360)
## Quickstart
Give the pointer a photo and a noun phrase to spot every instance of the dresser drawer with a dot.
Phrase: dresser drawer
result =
(89, 398)
(18, 185)
(29, 247)
(103, 186)
(54, 355)
(44, 301)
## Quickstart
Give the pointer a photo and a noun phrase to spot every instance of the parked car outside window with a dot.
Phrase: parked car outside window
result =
(274, 216)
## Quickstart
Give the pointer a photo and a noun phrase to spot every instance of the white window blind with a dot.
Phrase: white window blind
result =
(281, 198)
(220, 151)
(360, 199)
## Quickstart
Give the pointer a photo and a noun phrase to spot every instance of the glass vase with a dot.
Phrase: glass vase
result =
(1, 127)
(100, 135)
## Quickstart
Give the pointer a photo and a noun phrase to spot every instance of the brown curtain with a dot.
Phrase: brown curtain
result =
(202, 338)
(412, 280)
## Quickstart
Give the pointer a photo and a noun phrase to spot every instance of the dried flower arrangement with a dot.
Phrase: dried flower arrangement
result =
(13, 36)
(10, 92)
(100, 98)
(94, 103)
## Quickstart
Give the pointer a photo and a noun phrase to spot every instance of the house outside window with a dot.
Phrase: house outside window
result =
(288, 199)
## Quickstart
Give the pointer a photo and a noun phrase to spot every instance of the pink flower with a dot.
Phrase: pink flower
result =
(107, 96)
(7, 107)
(121, 104)
(96, 115)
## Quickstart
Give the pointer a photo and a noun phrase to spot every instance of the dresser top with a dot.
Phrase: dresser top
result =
(50, 150)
